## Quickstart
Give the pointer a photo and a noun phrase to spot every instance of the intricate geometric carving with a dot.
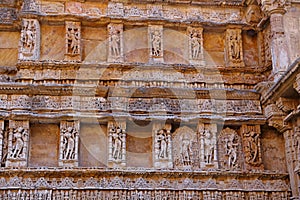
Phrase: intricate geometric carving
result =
(73, 38)
(234, 49)
(252, 146)
(156, 43)
(116, 144)
(115, 9)
(29, 46)
(162, 146)
(30, 6)
(69, 142)
(229, 149)
(115, 51)
(196, 54)
(18, 144)
(185, 155)
(7, 15)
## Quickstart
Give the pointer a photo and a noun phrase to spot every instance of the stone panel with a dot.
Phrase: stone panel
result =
(44, 140)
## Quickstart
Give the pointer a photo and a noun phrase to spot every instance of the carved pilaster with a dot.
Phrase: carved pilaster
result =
(115, 45)
(234, 48)
(195, 37)
(252, 147)
(73, 38)
(29, 45)
(116, 144)
(18, 144)
(208, 145)
(155, 33)
(69, 143)
(162, 145)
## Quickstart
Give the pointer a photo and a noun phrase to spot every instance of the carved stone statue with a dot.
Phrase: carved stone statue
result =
(251, 147)
(163, 144)
(73, 37)
(69, 135)
(19, 135)
(29, 40)
(69, 139)
(229, 149)
(116, 144)
(234, 46)
(156, 43)
(115, 53)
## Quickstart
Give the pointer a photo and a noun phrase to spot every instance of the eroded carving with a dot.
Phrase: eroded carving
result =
(69, 141)
(29, 46)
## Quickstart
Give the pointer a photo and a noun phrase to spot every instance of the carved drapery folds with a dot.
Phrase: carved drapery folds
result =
(162, 146)
(185, 149)
(252, 146)
(208, 145)
(115, 51)
(117, 144)
(229, 149)
(156, 43)
(69, 141)
(196, 54)
(18, 144)
(234, 49)
(73, 38)
(29, 45)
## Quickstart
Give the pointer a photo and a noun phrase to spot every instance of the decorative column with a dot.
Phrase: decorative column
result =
(252, 147)
(279, 47)
(115, 44)
(234, 48)
(18, 144)
(73, 38)
(208, 145)
(29, 45)
(116, 144)
(156, 49)
(69, 143)
(196, 51)
(162, 144)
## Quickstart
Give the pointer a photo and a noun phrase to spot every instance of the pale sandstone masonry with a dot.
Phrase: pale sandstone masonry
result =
(149, 99)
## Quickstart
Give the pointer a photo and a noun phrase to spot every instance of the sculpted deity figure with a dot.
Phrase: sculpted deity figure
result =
(69, 135)
(117, 143)
(251, 147)
(163, 145)
(27, 36)
(209, 147)
(234, 46)
(231, 150)
(73, 41)
(185, 150)
(115, 43)
(18, 137)
(195, 45)
(156, 43)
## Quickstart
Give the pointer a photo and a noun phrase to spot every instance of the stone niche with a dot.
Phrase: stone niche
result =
(175, 46)
(52, 35)
(139, 145)
(273, 150)
(250, 48)
(213, 45)
(136, 44)
(43, 145)
(94, 44)
(93, 145)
